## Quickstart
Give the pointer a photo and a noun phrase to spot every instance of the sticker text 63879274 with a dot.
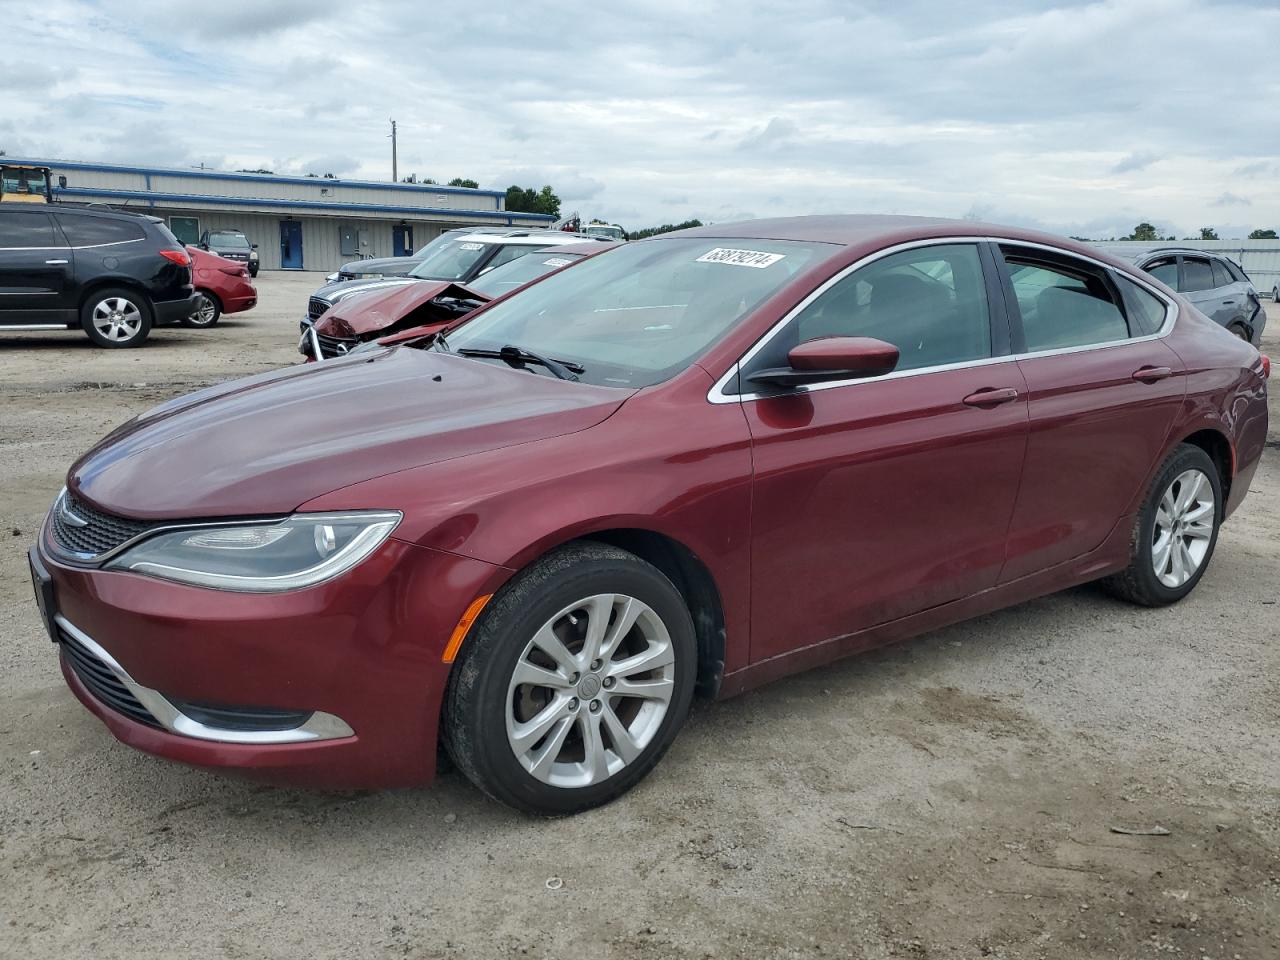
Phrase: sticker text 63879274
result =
(741, 258)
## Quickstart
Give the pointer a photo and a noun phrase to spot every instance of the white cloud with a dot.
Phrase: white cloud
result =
(1079, 117)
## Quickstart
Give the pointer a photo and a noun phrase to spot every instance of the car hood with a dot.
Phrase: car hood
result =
(381, 308)
(266, 444)
(387, 265)
(338, 289)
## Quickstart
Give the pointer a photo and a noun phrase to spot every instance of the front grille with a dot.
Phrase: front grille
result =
(335, 346)
(101, 533)
(316, 307)
(104, 685)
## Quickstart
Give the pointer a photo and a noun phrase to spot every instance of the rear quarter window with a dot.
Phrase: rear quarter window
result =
(95, 231)
(1146, 311)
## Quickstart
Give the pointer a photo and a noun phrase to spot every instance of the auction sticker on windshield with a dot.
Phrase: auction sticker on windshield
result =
(557, 262)
(741, 258)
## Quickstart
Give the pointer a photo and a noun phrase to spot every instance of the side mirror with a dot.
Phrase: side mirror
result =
(253, 246)
(831, 358)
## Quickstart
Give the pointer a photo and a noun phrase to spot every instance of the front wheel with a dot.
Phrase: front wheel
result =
(573, 683)
(1175, 533)
(116, 317)
(206, 313)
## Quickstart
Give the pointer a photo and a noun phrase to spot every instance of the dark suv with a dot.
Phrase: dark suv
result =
(114, 275)
(1217, 286)
(231, 244)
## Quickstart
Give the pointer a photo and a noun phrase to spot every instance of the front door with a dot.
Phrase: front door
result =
(401, 240)
(36, 269)
(291, 244)
(1104, 389)
(874, 499)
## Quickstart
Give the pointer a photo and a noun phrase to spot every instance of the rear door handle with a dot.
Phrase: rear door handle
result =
(991, 397)
(56, 261)
(1151, 374)
(1229, 303)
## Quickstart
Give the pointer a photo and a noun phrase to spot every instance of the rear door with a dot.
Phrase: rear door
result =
(1104, 389)
(1233, 295)
(877, 498)
(1200, 286)
(36, 271)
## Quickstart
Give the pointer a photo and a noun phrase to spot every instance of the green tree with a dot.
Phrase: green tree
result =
(460, 182)
(1208, 233)
(259, 170)
(1263, 235)
(529, 200)
(1143, 231)
(665, 228)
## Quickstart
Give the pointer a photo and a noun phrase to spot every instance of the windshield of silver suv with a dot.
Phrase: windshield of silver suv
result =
(641, 313)
(452, 260)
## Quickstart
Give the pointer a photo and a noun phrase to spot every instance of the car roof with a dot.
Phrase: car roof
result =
(547, 238)
(587, 249)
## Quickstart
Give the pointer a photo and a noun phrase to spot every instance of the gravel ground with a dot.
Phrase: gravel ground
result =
(948, 797)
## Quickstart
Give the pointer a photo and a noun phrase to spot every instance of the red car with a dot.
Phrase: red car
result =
(382, 312)
(703, 461)
(222, 286)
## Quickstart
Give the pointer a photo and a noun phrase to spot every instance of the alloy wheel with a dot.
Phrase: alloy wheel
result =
(590, 690)
(117, 319)
(205, 313)
(1183, 528)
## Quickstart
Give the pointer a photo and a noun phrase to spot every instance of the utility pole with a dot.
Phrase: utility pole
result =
(395, 173)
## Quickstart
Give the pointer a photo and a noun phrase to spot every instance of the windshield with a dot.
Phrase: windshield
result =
(597, 230)
(520, 271)
(18, 180)
(643, 312)
(228, 239)
(451, 260)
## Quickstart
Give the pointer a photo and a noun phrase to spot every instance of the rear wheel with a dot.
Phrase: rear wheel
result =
(1175, 533)
(1238, 329)
(207, 311)
(573, 683)
(116, 317)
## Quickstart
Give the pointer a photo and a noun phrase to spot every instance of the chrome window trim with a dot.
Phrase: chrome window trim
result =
(717, 395)
(83, 246)
(319, 726)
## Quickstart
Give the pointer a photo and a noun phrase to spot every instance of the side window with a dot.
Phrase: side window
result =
(1064, 306)
(1146, 311)
(1166, 271)
(27, 230)
(930, 303)
(93, 231)
(1196, 275)
(506, 255)
(1221, 277)
(1235, 271)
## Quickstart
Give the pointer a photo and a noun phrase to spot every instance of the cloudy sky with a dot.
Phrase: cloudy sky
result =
(1082, 118)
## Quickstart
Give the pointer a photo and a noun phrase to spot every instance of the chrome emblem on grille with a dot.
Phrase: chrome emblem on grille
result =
(70, 518)
(342, 348)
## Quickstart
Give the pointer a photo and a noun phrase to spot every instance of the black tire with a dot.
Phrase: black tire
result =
(1138, 583)
(476, 701)
(130, 305)
(208, 310)
(1239, 331)
(253, 270)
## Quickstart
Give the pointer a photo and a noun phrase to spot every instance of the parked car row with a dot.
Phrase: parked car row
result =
(693, 463)
(111, 274)
(458, 271)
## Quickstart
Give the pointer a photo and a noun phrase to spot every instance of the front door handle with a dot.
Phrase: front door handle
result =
(1151, 374)
(53, 262)
(991, 397)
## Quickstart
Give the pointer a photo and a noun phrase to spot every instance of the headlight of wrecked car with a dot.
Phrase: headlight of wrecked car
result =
(301, 551)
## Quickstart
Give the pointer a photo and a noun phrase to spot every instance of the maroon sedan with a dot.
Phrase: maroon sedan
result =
(706, 460)
(222, 286)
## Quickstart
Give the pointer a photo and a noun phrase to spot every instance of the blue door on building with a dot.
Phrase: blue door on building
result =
(291, 244)
(401, 240)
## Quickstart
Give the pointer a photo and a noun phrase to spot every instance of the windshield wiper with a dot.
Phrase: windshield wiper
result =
(518, 357)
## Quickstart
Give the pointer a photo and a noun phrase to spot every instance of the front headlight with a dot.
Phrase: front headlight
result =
(305, 549)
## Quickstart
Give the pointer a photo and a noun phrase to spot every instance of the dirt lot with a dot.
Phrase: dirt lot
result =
(949, 797)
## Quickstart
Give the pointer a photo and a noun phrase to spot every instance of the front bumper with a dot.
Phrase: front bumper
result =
(359, 655)
(174, 311)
